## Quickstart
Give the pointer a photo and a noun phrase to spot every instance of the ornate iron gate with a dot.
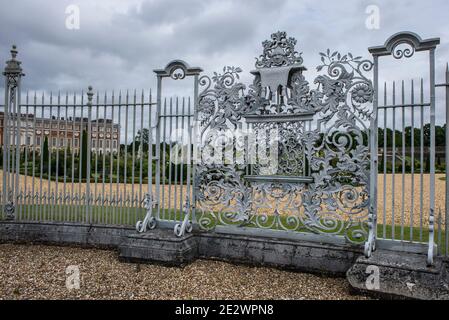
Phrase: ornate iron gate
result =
(282, 157)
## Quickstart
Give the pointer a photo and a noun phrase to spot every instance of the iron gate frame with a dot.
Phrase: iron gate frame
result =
(390, 48)
(175, 70)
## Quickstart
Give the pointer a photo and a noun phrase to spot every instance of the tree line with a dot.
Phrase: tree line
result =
(67, 163)
(102, 164)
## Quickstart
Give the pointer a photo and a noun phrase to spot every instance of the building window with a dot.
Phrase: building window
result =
(54, 143)
(94, 143)
(38, 141)
(61, 142)
(108, 144)
(114, 144)
(101, 143)
(108, 129)
(76, 143)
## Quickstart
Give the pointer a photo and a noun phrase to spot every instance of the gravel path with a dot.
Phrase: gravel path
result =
(39, 272)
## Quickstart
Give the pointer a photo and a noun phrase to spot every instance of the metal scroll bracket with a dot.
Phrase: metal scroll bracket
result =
(150, 221)
(186, 225)
(9, 211)
(370, 244)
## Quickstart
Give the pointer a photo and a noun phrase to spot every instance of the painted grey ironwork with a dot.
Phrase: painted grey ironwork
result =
(330, 199)
(13, 75)
(52, 191)
(394, 46)
(446, 211)
(149, 221)
(157, 212)
(281, 158)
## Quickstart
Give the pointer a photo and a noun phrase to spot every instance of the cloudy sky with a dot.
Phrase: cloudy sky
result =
(119, 42)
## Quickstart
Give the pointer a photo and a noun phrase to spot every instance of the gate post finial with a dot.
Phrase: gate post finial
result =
(276, 65)
(13, 66)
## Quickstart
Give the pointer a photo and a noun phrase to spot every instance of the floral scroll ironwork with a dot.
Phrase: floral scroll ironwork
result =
(279, 51)
(322, 182)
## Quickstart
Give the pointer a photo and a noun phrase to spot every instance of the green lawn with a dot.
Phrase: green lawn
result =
(96, 214)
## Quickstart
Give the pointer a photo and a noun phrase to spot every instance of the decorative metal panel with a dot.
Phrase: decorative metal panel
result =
(320, 183)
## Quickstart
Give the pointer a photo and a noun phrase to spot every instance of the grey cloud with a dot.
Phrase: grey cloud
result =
(120, 43)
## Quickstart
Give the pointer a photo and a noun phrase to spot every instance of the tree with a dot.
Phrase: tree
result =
(440, 136)
(84, 155)
(46, 155)
(427, 168)
(143, 137)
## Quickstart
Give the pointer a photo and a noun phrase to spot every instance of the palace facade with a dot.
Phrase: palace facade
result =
(62, 133)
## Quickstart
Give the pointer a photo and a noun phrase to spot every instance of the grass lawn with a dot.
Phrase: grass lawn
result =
(97, 214)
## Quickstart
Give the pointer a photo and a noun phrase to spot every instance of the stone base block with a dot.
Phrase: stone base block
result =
(159, 246)
(400, 275)
(78, 234)
(304, 256)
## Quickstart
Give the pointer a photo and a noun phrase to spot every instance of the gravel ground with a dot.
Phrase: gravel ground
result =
(39, 272)
(412, 196)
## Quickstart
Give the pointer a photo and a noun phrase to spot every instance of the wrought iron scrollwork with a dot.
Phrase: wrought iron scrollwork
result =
(278, 206)
(178, 74)
(340, 163)
(222, 195)
(403, 53)
(279, 51)
(222, 100)
(333, 152)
